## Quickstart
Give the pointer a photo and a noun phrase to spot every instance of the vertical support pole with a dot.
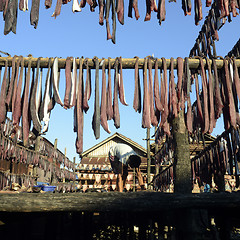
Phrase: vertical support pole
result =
(134, 179)
(65, 154)
(55, 143)
(37, 143)
(148, 159)
(182, 164)
(37, 147)
(74, 172)
(53, 179)
(156, 150)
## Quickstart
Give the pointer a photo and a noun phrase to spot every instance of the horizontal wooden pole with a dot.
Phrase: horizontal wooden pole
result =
(127, 63)
(114, 201)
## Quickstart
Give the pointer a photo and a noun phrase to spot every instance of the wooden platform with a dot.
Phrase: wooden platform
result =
(113, 201)
(116, 215)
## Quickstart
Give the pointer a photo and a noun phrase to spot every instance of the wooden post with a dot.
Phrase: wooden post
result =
(37, 143)
(74, 172)
(53, 179)
(55, 143)
(134, 179)
(148, 159)
(37, 147)
(65, 154)
(156, 150)
(182, 163)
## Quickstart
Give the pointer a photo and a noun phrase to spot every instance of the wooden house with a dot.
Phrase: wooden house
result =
(95, 172)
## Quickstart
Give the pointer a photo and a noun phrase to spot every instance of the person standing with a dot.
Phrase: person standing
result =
(121, 156)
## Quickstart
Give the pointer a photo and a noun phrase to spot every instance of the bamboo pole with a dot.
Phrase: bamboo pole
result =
(74, 172)
(127, 63)
(148, 159)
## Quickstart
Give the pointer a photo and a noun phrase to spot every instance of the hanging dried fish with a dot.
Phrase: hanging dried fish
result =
(96, 114)
(23, 5)
(25, 110)
(48, 3)
(164, 91)
(154, 121)
(157, 99)
(188, 117)
(198, 11)
(3, 108)
(57, 9)
(212, 122)
(133, 4)
(44, 113)
(88, 88)
(78, 109)
(234, 91)
(218, 104)
(116, 115)
(15, 84)
(146, 119)
(56, 78)
(186, 7)
(11, 85)
(236, 77)
(103, 115)
(76, 6)
(137, 89)
(199, 105)
(107, 10)
(33, 102)
(101, 4)
(120, 11)
(109, 94)
(173, 88)
(161, 14)
(121, 87)
(74, 84)
(226, 115)
(205, 97)
(68, 83)
(233, 6)
(17, 110)
(179, 83)
(34, 15)
(231, 105)
(113, 21)
(10, 17)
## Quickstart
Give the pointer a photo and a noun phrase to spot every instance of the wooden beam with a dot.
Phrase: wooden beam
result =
(144, 201)
(127, 63)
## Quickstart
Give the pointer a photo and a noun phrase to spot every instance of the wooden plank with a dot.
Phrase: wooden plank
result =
(127, 63)
(144, 201)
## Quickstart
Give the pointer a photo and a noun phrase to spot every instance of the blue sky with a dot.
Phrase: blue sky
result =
(79, 34)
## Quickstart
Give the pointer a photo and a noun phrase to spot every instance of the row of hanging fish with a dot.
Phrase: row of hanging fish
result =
(165, 156)
(161, 103)
(235, 52)
(10, 10)
(219, 93)
(44, 149)
(7, 179)
(10, 152)
(163, 181)
(221, 157)
(216, 18)
(34, 109)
